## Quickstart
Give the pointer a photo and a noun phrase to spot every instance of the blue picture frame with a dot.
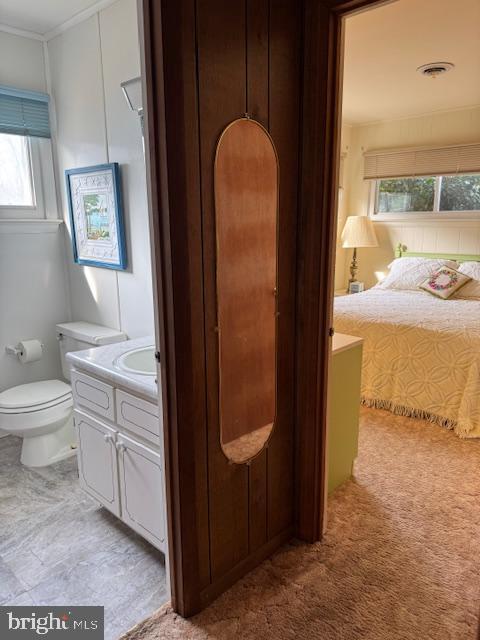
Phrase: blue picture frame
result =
(95, 207)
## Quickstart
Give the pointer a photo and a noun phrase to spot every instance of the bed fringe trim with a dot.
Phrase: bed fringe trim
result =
(408, 412)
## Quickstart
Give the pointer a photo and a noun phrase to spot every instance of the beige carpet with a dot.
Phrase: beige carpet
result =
(401, 559)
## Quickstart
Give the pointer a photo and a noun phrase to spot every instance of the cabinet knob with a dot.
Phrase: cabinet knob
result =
(107, 437)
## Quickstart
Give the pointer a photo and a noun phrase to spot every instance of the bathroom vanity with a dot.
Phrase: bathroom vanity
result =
(120, 434)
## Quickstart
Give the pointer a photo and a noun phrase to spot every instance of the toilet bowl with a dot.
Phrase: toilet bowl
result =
(42, 414)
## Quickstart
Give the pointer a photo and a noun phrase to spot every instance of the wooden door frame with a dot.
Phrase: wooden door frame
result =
(321, 128)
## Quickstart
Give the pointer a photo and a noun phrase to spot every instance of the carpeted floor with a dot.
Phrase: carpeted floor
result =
(400, 561)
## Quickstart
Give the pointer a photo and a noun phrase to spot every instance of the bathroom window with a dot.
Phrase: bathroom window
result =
(21, 191)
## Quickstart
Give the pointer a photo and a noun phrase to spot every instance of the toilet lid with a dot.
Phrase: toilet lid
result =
(34, 394)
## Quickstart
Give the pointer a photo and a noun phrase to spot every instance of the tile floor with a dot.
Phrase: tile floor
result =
(58, 547)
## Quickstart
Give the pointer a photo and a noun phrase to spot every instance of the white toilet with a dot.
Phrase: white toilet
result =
(42, 412)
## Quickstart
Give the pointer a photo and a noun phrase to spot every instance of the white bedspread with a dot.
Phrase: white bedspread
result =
(421, 354)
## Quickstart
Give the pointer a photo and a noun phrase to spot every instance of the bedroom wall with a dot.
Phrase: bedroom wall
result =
(94, 125)
(340, 262)
(460, 126)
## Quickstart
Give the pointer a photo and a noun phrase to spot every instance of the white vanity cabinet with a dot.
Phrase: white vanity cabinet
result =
(119, 454)
(139, 470)
(97, 461)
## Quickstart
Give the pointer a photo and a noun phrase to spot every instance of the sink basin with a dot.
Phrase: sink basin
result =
(140, 361)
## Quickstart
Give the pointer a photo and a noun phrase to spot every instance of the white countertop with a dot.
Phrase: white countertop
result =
(341, 342)
(98, 361)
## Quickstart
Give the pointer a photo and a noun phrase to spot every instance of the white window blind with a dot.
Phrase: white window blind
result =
(433, 161)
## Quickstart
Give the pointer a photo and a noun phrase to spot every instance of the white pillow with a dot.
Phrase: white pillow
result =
(409, 273)
(472, 288)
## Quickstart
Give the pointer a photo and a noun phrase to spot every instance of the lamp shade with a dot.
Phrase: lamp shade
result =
(359, 232)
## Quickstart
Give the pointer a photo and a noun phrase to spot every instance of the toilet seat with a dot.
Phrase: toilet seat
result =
(34, 397)
(42, 414)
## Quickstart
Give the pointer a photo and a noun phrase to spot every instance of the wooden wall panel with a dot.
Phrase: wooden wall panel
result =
(257, 74)
(284, 100)
(222, 98)
(223, 60)
(183, 294)
(204, 67)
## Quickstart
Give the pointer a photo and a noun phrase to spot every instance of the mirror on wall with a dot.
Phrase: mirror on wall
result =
(246, 218)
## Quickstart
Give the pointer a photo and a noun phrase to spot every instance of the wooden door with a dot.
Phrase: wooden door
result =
(141, 482)
(97, 461)
(218, 61)
(207, 63)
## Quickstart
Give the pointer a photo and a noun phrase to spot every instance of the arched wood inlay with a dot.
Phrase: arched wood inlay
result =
(246, 213)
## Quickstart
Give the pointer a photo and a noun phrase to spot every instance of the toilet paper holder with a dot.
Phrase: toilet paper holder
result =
(17, 351)
(13, 351)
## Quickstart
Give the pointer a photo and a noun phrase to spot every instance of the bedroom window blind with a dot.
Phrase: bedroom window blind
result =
(433, 161)
(24, 112)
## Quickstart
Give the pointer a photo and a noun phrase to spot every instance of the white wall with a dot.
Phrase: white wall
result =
(342, 213)
(454, 127)
(94, 125)
(33, 300)
(33, 290)
(21, 62)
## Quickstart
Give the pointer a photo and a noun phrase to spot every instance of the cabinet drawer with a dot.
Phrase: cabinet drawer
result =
(93, 394)
(139, 416)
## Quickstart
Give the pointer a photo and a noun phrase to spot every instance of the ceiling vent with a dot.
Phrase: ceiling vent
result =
(434, 69)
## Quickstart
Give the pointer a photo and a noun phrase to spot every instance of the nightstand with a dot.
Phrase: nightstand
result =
(340, 292)
(344, 397)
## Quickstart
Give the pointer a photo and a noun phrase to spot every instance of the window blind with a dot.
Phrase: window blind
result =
(24, 113)
(433, 161)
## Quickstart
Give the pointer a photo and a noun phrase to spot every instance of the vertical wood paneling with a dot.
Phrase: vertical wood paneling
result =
(284, 89)
(186, 249)
(257, 37)
(187, 115)
(222, 98)
(221, 60)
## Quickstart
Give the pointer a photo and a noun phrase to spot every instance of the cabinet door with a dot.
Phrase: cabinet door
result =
(97, 461)
(141, 489)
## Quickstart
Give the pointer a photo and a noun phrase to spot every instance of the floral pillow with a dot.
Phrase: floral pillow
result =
(444, 282)
(409, 272)
(472, 289)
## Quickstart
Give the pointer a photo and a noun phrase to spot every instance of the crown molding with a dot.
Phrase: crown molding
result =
(77, 18)
(64, 26)
(23, 33)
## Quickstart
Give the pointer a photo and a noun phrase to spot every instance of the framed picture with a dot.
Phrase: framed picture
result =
(95, 203)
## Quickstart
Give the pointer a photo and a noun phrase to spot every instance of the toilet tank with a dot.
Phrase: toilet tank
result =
(77, 336)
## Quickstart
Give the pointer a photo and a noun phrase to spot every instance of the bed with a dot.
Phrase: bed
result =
(421, 353)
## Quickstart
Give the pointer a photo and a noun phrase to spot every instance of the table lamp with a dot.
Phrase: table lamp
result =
(358, 232)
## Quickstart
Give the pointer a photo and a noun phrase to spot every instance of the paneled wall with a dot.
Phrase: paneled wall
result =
(33, 287)
(454, 127)
(223, 60)
(28, 72)
(94, 125)
(33, 299)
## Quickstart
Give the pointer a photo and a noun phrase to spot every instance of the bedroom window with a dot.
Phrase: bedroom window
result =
(441, 182)
(440, 195)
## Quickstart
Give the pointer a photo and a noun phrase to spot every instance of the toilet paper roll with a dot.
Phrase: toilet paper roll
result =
(30, 350)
